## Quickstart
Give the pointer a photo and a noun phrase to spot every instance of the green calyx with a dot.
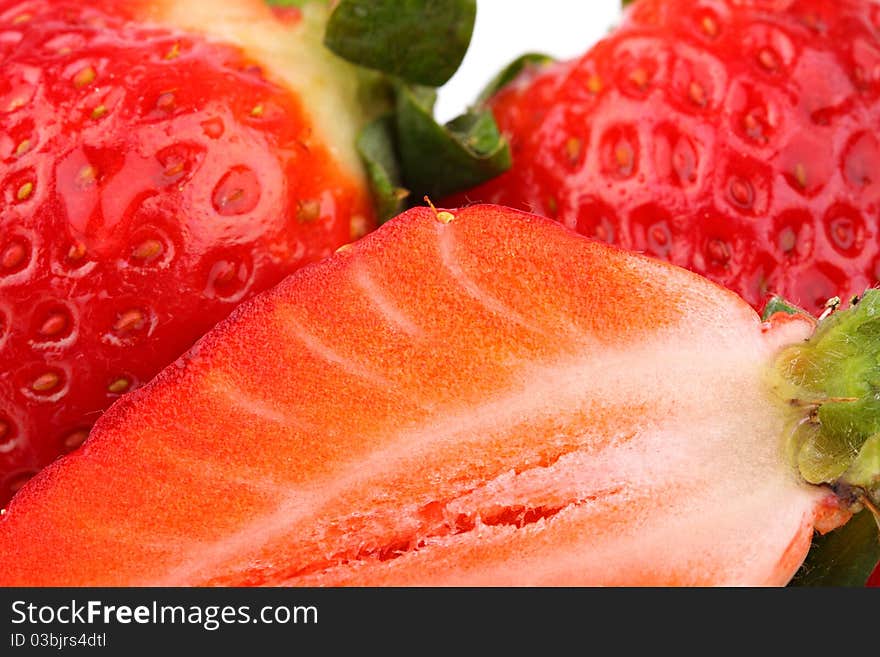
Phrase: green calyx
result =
(440, 160)
(421, 41)
(415, 46)
(835, 390)
(832, 382)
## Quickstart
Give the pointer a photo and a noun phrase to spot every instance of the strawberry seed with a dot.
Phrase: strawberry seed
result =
(119, 386)
(85, 77)
(74, 439)
(25, 191)
(147, 250)
(45, 382)
(13, 256)
(130, 320)
(54, 324)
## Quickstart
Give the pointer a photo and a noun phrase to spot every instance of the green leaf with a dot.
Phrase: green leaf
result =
(421, 41)
(439, 160)
(844, 557)
(511, 71)
(376, 145)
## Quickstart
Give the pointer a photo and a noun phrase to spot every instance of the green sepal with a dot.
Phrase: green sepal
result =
(835, 379)
(438, 160)
(510, 72)
(377, 147)
(780, 305)
(845, 557)
(413, 46)
(420, 41)
(864, 473)
(841, 434)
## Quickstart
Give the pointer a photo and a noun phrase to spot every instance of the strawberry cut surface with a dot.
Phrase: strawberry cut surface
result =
(463, 398)
(152, 178)
(736, 139)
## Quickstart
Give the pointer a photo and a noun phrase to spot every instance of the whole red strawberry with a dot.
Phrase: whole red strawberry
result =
(735, 138)
(152, 178)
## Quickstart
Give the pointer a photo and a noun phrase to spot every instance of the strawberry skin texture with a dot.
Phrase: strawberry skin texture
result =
(736, 139)
(491, 400)
(152, 179)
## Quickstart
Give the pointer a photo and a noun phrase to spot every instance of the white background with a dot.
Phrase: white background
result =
(506, 29)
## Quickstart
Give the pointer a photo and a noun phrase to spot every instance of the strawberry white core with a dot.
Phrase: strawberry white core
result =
(292, 54)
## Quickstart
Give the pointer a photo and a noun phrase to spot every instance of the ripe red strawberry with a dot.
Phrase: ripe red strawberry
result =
(477, 397)
(736, 139)
(161, 162)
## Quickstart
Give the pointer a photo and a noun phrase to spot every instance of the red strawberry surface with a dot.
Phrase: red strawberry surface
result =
(734, 138)
(467, 397)
(161, 162)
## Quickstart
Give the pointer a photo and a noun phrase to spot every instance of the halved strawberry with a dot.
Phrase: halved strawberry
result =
(471, 397)
(160, 161)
